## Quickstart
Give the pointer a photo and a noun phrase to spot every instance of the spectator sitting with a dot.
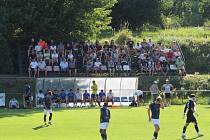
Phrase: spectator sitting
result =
(97, 65)
(33, 67)
(54, 58)
(13, 103)
(47, 56)
(41, 67)
(86, 97)
(38, 48)
(72, 67)
(40, 97)
(138, 46)
(180, 66)
(170, 56)
(174, 46)
(64, 65)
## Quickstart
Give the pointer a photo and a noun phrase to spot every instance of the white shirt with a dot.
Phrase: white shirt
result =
(70, 56)
(162, 58)
(13, 102)
(38, 48)
(40, 95)
(34, 64)
(109, 95)
(138, 93)
(167, 88)
(79, 95)
(64, 65)
(41, 64)
(141, 56)
(138, 47)
(97, 64)
(53, 48)
(54, 56)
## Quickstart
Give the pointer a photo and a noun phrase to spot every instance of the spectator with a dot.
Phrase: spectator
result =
(167, 88)
(47, 56)
(86, 97)
(138, 97)
(55, 57)
(78, 95)
(27, 96)
(138, 47)
(52, 47)
(130, 44)
(180, 66)
(40, 97)
(13, 104)
(64, 66)
(110, 97)
(72, 67)
(71, 97)
(42, 67)
(154, 91)
(97, 66)
(33, 68)
(61, 49)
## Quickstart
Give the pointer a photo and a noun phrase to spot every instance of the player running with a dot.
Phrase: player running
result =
(48, 107)
(154, 108)
(190, 109)
(104, 121)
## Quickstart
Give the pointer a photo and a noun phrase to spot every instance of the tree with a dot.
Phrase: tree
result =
(136, 12)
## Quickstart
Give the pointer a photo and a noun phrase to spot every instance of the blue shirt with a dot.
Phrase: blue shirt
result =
(190, 105)
(71, 95)
(155, 109)
(105, 114)
(63, 95)
(86, 95)
(102, 94)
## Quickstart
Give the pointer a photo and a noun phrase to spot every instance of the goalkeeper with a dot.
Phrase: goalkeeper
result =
(190, 112)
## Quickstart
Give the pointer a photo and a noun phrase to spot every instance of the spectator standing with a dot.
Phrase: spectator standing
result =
(167, 88)
(154, 91)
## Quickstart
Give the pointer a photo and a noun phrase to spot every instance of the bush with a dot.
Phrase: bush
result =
(123, 36)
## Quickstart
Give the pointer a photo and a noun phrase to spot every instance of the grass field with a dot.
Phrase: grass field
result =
(83, 124)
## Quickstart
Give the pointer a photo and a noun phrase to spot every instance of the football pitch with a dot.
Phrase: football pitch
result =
(83, 124)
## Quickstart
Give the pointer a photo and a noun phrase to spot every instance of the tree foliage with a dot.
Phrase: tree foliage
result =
(50, 19)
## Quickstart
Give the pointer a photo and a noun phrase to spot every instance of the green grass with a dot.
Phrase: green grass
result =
(83, 124)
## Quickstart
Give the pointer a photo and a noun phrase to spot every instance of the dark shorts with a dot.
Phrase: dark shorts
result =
(168, 95)
(140, 96)
(191, 119)
(93, 96)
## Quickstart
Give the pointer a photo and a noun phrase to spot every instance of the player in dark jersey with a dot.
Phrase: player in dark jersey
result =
(190, 112)
(154, 108)
(48, 107)
(104, 121)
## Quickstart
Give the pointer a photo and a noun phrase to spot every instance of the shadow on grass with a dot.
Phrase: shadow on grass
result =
(40, 127)
(193, 138)
(25, 112)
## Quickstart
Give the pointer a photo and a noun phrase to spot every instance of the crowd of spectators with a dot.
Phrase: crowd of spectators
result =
(87, 57)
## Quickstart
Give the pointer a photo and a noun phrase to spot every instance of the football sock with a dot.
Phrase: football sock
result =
(184, 129)
(45, 116)
(196, 128)
(50, 117)
(105, 137)
(102, 136)
(155, 135)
